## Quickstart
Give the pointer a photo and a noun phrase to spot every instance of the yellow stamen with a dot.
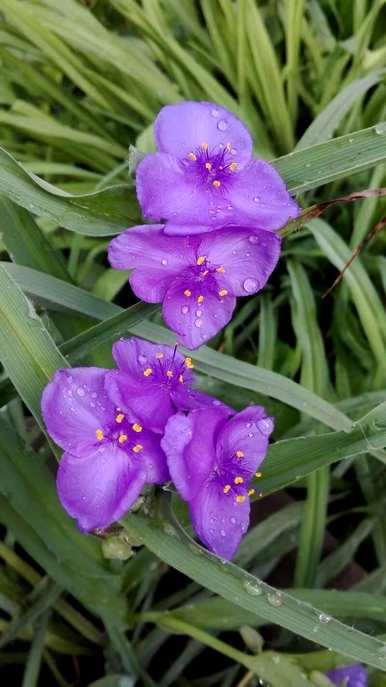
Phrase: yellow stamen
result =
(99, 434)
(240, 454)
(192, 156)
(220, 269)
(136, 427)
(159, 355)
(201, 259)
(187, 293)
(258, 474)
(216, 183)
(137, 448)
(232, 166)
(181, 379)
(240, 499)
(251, 492)
(169, 373)
(122, 438)
(238, 480)
(189, 363)
(204, 273)
(148, 372)
(227, 488)
(204, 146)
(228, 146)
(223, 292)
(208, 165)
(120, 417)
(200, 299)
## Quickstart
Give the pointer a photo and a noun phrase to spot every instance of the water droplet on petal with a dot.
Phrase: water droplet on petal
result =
(164, 261)
(222, 125)
(233, 521)
(198, 323)
(256, 199)
(253, 239)
(265, 425)
(253, 588)
(185, 309)
(214, 113)
(80, 391)
(198, 313)
(142, 359)
(223, 533)
(324, 618)
(250, 285)
(233, 151)
(275, 599)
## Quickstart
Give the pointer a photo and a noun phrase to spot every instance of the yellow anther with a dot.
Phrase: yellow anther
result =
(137, 448)
(233, 166)
(99, 434)
(251, 492)
(223, 292)
(258, 474)
(120, 417)
(200, 299)
(216, 183)
(159, 355)
(240, 454)
(192, 156)
(227, 488)
(122, 438)
(228, 146)
(204, 273)
(201, 259)
(220, 269)
(238, 480)
(240, 499)
(187, 293)
(189, 363)
(169, 373)
(208, 165)
(181, 379)
(136, 427)
(148, 372)
(204, 146)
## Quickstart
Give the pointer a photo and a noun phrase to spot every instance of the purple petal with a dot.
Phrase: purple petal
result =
(248, 257)
(196, 323)
(189, 446)
(99, 489)
(183, 127)
(246, 433)
(173, 229)
(153, 458)
(259, 196)
(135, 355)
(147, 247)
(218, 520)
(350, 676)
(143, 401)
(74, 406)
(165, 191)
(185, 398)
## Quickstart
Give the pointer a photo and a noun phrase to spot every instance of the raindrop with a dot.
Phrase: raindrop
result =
(197, 323)
(247, 255)
(223, 533)
(351, 140)
(379, 128)
(265, 425)
(233, 151)
(275, 659)
(233, 521)
(253, 588)
(142, 359)
(253, 239)
(94, 394)
(214, 113)
(256, 199)
(324, 618)
(222, 125)
(250, 285)
(275, 599)
(164, 261)
(184, 309)
(80, 391)
(198, 313)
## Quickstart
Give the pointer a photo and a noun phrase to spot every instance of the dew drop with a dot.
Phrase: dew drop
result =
(164, 261)
(94, 394)
(256, 199)
(223, 533)
(265, 425)
(275, 599)
(380, 128)
(214, 113)
(198, 323)
(233, 521)
(198, 313)
(222, 125)
(250, 285)
(80, 391)
(247, 255)
(233, 151)
(253, 239)
(324, 618)
(184, 309)
(142, 359)
(252, 588)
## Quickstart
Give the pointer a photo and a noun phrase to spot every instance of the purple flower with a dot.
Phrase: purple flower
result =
(108, 458)
(195, 277)
(205, 176)
(349, 676)
(153, 382)
(212, 460)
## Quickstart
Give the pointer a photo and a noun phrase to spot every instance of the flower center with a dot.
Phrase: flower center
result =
(121, 432)
(211, 167)
(234, 478)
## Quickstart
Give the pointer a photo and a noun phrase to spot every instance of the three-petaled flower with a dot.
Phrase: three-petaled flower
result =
(204, 175)
(212, 459)
(354, 675)
(197, 278)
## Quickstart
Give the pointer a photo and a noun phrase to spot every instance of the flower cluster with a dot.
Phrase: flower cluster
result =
(144, 423)
(348, 676)
(219, 210)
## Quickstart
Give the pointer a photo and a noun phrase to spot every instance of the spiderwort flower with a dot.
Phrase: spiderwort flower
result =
(153, 382)
(349, 676)
(197, 278)
(212, 459)
(108, 458)
(204, 175)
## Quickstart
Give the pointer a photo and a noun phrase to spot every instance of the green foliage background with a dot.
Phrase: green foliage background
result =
(79, 83)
